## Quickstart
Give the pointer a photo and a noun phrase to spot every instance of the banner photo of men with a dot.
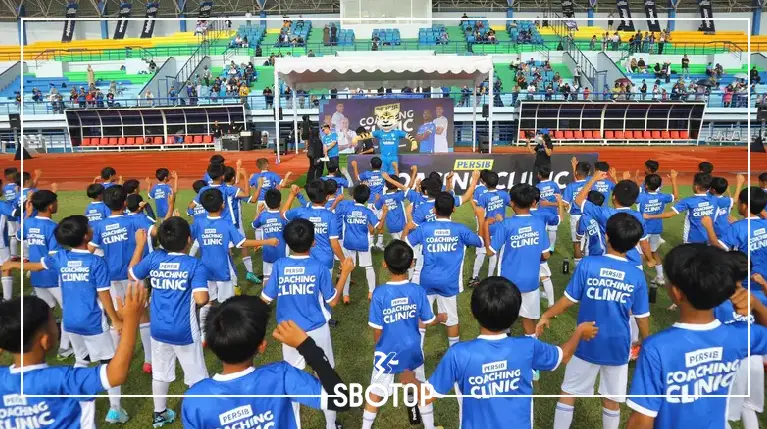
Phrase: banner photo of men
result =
(429, 120)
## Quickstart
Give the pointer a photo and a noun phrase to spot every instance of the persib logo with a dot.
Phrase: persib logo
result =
(472, 164)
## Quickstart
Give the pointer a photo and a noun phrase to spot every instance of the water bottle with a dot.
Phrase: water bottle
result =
(653, 291)
(566, 266)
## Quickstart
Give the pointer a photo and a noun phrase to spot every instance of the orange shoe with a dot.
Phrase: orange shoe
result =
(370, 296)
(346, 299)
(147, 368)
(634, 354)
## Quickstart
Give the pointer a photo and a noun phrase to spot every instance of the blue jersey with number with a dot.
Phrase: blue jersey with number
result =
(116, 236)
(38, 234)
(272, 225)
(499, 366)
(395, 214)
(697, 207)
(653, 203)
(519, 242)
(215, 236)
(160, 193)
(494, 202)
(271, 181)
(278, 380)
(355, 220)
(571, 192)
(684, 366)
(388, 142)
(395, 309)
(589, 228)
(375, 181)
(426, 145)
(326, 229)
(609, 289)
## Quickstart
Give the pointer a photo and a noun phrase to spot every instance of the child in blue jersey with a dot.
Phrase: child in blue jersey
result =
(572, 190)
(443, 243)
(608, 289)
(238, 335)
(108, 178)
(394, 200)
(230, 179)
(301, 286)
(724, 201)
(397, 309)
(359, 223)
(652, 202)
(549, 219)
(591, 235)
(698, 206)
(27, 185)
(496, 364)
(263, 181)
(133, 187)
(96, 210)
(326, 228)
(340, 180)
(490, 205)
(136, 205)
(7, 210)
(215, 235)
(650, 167)
(179, 283)
(521, 244)
(215, 159)
(329, 146)
(605, 185)
(162, 191)
(682, 368)
(10, 194)
(548, 201)
(40, 336)
(426, 133)
(230, 193)
(388, 145)
(196, 212)
(763, 181)
(373, 178)
(271, 224)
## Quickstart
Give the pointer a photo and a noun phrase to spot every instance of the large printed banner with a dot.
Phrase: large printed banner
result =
(624, 12)
(568, 10)
(122, 25)
(205, 8)
(151, 12)
(428, 120)
(511, 169)
(651, 12)
(69, 24)
(706, 16)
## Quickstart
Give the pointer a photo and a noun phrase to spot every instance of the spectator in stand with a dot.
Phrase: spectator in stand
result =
(754, 73)
(616, 39)
(586, 93)
(661, 42)
(633, 67)
(244, 92)
(443, 37)
(110, 101)
(268, 97)
(310, 54)
(593, 43)
(643, 90)
(333, 34)
(465, 94)
(658, 71)
(642, 65)
(326, 35)
(149, 98)
(152, 67)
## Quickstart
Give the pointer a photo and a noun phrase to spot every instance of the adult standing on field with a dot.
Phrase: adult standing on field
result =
(543, 149)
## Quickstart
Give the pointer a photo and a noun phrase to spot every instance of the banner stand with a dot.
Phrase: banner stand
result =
(295, 121)
(474, 119)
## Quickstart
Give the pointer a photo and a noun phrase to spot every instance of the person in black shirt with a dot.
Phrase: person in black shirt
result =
(315, 153)
(236, 128)
(542, 150)
(364, 146)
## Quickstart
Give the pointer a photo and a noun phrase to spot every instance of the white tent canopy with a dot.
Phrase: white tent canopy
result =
(374, 71)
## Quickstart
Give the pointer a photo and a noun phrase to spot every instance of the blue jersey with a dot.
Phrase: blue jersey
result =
(494, 203)
(50, 412)
(96, 211)
(603, 213)
(604, 187)
(609, 288)
(160, 193)
(108, 185)
(388, 142)
(356, 219)
(653, 203)
(548, 189)
(395, 309)
(550, 219)
(740, 237)
(375, 182)
(426, 145)
(272, 224)
(416, 198)
(571, 192)
(424, 212)
(340, 181)
(271, 181)
(519, 242)
(6, 215)
(206, 178)
(229, 193)
(174, 278)
(325, 229)
(38, 233)
(327, 140)
(215, 236)
(301, 285)
(471, 365)
(10, 190)
(443, 245)
(723, 207)
(146, 223)
(683, 366)
(82, 275)
(395, 215)
(589, 228)
(478, 191)
(116, 236)
(279, 380)
(697, 207)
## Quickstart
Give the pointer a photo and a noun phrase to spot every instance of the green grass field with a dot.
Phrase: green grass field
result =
(353, 340)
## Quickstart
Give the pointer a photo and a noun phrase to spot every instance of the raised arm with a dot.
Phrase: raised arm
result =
(598, 175)
(469, 194)
(294, 190)
(674, 184)
(355, 171)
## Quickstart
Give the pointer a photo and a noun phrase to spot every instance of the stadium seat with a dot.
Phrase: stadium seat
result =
(169, 140)
(684, 135)
(103, 141)
(522, 134)
(112, 141)
(596, 134)
(665, 135)
(558, 135)
(656, 135)
(187, 139)
(157, 140)
(609, 135)
(130, 141)
(646, 135)
(569, 134)
(207, 139)
(121, 141)
(619, 135)
(86, 142)
(674, 135)
(198, 139)
(628, 134)
(578, 134)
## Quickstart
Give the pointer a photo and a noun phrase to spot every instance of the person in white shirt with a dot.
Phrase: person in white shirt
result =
(338, 116)
(440, 139)
(345, 137)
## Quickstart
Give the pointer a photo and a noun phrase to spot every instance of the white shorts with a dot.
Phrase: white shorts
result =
(117, 289)
(267, 269)
(581, 375)
(574, 227)
(447, 305)
(51, 295)
(545, 271)
(385, 381)
(753, 399)
(361, 259)
(481, 250)
(5, 255)
(396, 235)
(98, 347)
(13, 228)
(189, 356)
(655, 241)
(220, 291)
(531, 305)
(321, 337)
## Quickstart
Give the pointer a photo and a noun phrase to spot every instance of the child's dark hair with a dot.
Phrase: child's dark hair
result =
(495, 303)
(626, 193)
(435, 176)
(299, 235)
(706, 167)
(173, 234)
(719, 185)
(398, 257)
(331, 187)
(212, 200)
(21, 178)
(107, 173)
(444, 204)
(114, 197)
(361, 193)
(376, 163)
(217, 159)
(332, 170)
(758, 199)
(316, 192)
(707, 275)
(522, 195)
(199, 184)
(491, 179)
(602, 166)
(132, 202)
(273, 198)
(43, 199)
(652, 165)
(130, 186)
(229, 174)
(215, 171)
(653, 182)
(37, 315)
(623, 232)
(237, 328)
(597, 198)
(10, 172)
(72, 230)
(94, 190)
(583, 168)
(702, 181)
(544, 171)
(763, 177)
(161, 174)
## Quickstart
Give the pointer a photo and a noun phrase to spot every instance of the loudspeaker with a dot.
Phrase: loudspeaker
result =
(485, 111)
(15, 121)
(757, 145)
(484, 144)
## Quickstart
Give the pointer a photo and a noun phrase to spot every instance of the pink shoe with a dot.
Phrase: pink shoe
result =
(147, 368)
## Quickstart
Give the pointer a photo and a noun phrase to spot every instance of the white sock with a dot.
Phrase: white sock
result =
(453, 341)
(379, 241)
(634, 329)
(576, 261)
(427, 416)
(611, 418)
(146, 341)
(115, 336)
(659, 271)
(422, 331)
(14, 246)
(563, 416)
(7, 287)
(367, 419)
(160, 392)
(552, 238)
(330, 419)
(748, 417)
(114, 397)
(347, 283)
(420, 374)
(203, 317)
(370, 274)
(296, 412)
(64, 343)
(194, 249)
(548, 289)
(479, 260)
(248, 262)
(491, 265)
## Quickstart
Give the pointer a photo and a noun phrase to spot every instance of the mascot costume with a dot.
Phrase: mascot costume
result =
(388, 134)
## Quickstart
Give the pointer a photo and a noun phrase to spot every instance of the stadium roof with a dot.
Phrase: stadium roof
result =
(374, 71)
